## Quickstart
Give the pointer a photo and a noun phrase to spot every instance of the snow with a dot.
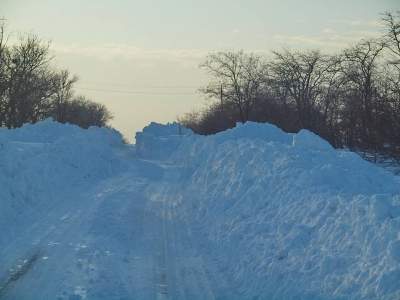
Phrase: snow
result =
(158, 141)
(310, 140)
(249, 213)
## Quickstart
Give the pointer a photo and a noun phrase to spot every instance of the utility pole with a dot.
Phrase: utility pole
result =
(221, 98)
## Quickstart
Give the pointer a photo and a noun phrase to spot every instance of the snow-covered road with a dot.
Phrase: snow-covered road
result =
(250, 213)
(122, 239)
(182, 272)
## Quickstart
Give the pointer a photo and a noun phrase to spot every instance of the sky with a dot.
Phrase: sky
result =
(141, 58)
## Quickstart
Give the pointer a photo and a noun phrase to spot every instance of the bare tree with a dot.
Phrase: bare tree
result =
(237, 78)
(352, 99)
(63, 93)
(302, 76)
(30, 80)
(360, 68)
(3, 73)
(83, 112)
(31, 89)
(392, 35)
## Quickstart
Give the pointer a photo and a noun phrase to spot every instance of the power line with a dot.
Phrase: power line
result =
(144, 86)
(137, 92)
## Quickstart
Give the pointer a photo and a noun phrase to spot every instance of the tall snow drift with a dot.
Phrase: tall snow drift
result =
(280, 216)
(286, 216)
(41, 164)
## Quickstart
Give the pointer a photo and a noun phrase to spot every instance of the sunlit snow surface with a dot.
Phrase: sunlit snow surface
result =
(250, 213)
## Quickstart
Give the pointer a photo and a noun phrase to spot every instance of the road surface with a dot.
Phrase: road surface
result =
(124, 238)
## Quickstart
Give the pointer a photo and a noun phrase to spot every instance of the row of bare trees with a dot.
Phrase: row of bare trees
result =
(352, 99)
(32, 90)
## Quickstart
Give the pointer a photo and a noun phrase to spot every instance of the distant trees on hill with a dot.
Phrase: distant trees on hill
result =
(32, 90)
(352, 99)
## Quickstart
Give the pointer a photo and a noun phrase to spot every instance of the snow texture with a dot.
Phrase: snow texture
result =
(249, 213)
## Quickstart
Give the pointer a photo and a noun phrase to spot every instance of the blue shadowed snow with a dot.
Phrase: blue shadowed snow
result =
(249, 213)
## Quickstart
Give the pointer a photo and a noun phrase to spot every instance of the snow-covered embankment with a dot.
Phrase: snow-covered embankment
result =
(285, 216)
(250, 213)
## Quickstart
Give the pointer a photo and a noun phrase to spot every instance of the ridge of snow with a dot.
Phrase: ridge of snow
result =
(41, 162)
(286, 216)
(266, 214)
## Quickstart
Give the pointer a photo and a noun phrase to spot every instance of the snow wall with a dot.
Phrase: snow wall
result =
(43, 165)
(285, 216)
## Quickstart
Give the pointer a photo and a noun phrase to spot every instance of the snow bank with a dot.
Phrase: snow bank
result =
(280, 216)
(159, 141)
(42, 164)
(286, 216)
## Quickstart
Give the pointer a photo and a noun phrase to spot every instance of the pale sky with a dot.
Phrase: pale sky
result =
(140, 58)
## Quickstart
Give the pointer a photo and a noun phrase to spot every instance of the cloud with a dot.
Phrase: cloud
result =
(329, 39)
(373, 23)
(328, 30)
(109, 52)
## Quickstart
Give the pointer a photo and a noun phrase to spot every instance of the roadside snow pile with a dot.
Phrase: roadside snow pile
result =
(159, 141)
(249, 213)
(286, 216)
(42, 164)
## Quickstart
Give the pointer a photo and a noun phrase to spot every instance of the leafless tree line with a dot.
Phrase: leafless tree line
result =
(32, 90)
(352, 99)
